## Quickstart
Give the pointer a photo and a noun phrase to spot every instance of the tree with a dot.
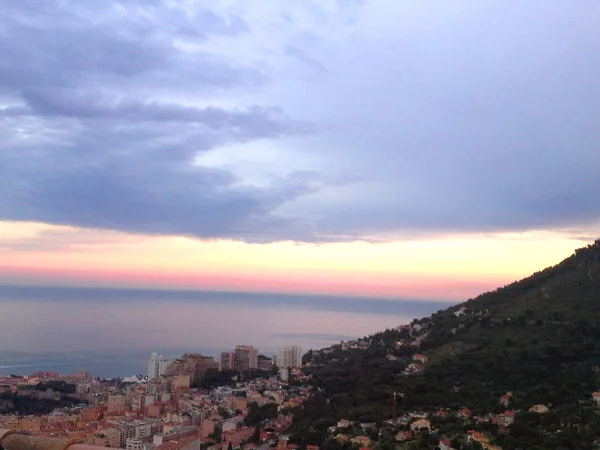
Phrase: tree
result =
(255, 438)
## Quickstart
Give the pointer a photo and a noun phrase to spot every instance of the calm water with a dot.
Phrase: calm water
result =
(111, 331)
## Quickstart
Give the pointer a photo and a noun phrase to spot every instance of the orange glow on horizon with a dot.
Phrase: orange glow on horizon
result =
(449, 268)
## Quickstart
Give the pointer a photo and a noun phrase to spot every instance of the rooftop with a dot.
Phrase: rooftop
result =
(12, 440)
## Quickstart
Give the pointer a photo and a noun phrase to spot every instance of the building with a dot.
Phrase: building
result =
(157, 366)
(24, 423)
(228, 361)
(179, 382)
(110, 437)
(139, 429)
(115, 404)
(193, 364)
(541, 409)
(288, 357)
(134, 444)
(265, 364)
(246, 357)
(445, 445)
(421, 424)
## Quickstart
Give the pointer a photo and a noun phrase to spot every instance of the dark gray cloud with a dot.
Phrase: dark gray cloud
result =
(84, 145)
(423, 119)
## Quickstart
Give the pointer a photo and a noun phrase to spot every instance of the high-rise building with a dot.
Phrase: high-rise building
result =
(227, 360)
(193, 364)
(246, 357)
(157, 366)
(288, 357)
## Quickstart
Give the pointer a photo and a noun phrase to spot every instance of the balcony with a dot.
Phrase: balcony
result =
(12, 440)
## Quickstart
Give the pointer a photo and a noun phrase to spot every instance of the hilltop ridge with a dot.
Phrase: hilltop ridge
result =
(537, 338)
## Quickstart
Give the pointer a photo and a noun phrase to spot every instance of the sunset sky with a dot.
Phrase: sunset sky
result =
(399, 149)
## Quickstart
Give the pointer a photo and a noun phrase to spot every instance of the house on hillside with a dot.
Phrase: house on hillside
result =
(341, 438)
(509, 417)
(505, 419)
(596, 397)
(505, 399)
(421, 358)
(445, 445)
(541, 409)
(465, 413)
(403, 436)
(362, 441)
(460, 311)
(344, 423)
(420, 424)
(476, 436)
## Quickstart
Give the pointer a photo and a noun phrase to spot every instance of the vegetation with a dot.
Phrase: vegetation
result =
(259, 414)
(538, 338)
(22, 405)
(56, 385)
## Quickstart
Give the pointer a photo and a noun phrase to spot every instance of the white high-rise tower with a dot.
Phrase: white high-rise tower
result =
(288, 357)
(157, 366)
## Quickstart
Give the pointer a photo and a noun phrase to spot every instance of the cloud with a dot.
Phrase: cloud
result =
(415, 118)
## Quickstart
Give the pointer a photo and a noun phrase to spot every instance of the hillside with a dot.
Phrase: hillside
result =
(538, 338)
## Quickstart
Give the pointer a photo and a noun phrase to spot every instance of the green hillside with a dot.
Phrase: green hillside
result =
(538, 338)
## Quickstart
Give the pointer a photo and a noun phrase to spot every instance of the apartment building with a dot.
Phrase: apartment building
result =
(228, 361)
(246, 357)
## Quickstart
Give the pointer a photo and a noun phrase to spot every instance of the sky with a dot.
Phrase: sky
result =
(399, 150)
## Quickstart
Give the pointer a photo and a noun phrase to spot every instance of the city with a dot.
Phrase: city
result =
(299, 225)
(167, 409)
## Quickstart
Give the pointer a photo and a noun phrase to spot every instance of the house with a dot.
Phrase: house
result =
(464, 413)
(441, 413)
(391, 357)
(341, 438)
(539, 409)
(460, 311)
(487, 446)
(505, 399)
(344, 423)
(445, 445)
(509, 417)
(402, 436)
(363, 441)
(414, 368)
(421, 358)
(420, 424)
(596, 397)
(476, 436)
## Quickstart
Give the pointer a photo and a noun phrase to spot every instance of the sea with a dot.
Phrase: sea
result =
(111, 332)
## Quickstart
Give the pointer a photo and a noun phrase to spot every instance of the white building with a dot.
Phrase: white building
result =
(134, 444)
(288, 357)
(157, 366)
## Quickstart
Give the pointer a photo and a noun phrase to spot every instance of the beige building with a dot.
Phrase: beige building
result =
(193, 364)
(246, 357)
(115, 404)
(228, 361)
(24, 423)
(111, 437)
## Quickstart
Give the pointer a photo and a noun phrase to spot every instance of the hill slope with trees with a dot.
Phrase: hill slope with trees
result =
(537, 339)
